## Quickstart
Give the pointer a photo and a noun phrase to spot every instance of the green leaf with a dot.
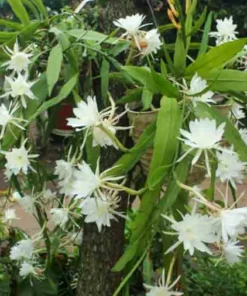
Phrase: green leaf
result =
(132, 95)
(7, 36)
(165, 145)
(179, 55)
(199, 22)
(63, 94)
(10, 24)
(227, 80)
(205, 36)
(147, 97)
(28, 31)
(42, 9)
(231, 133)
(91, 36)
(152, 80)
(104, 74)
(54, 66)
(20, 11)
(215, 57)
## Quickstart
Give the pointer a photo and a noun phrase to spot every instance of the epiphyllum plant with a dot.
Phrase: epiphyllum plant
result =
(188, 132)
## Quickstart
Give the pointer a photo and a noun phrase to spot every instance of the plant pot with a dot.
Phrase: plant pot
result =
(140, 121)
(61, 128)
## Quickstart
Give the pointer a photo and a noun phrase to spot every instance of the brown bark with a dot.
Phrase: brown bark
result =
(100, 251)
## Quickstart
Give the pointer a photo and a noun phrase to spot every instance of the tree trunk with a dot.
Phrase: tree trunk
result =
(100, 251)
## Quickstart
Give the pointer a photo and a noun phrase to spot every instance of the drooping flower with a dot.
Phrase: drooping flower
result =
(9, 216)
(7, 117)
(19, 159)
(131, 24)
(22, 250)
(100, 210)
(232, 222)
(203, 136)
(27, 202)
(226, 31)
(26, 269)
(150, 42)
(19, 88)
(232, 251)
(230, 168)
(194, 231)
(86, 182)
(19, 60)
(197, 86)
(237, 111)
(163, 289)
(60, 216)
(88, 117)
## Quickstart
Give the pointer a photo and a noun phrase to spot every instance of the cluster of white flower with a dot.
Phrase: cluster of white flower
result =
(215, 233)
(92, 192)
(147, 42)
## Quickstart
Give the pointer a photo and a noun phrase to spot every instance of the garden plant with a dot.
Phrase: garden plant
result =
(121, 209)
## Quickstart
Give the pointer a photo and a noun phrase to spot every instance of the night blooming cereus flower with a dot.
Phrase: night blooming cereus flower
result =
(232, 252)
(226, 31)
(7, 117)
(9, 216)
(194, 231)
(101, 210)
(150, 42)
(27, 202)
(22, 250)
(88, 117)
(198, 85)
(87, 182)
(203, 136)
(19, 160)
(163, 289)
(27, 269)
(60, 216)
(19, 60)
(237, 111)
(230, 168)
(131, 24)
(19, 87)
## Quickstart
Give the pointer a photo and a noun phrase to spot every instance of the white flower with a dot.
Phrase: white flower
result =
(19, 60)
(230, 168)
(193, 231)
(237, 111)
(243, 134)
(198, 85)
(163, 289)
(7, 117)
(232, 252)
(226, 31)
(77, 238)
(150, 43)
(19, 88)
(22, 250)
(60, 216)
(9, 216)
(99, 210)
(131, 24)
(26, 269)
(27, 202)
(203, 135)
(232, 222)
(18, 159)
(88, 117)
(86, 182)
